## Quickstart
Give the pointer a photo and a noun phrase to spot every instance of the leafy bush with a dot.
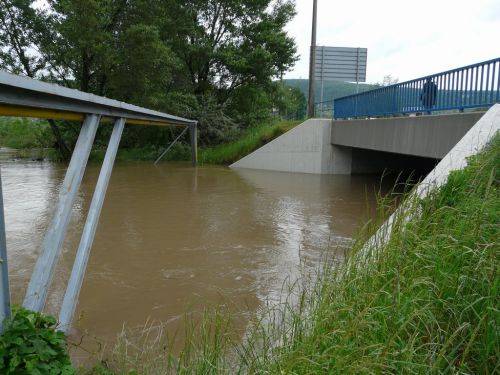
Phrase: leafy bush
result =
(31, 345)
(24, 133)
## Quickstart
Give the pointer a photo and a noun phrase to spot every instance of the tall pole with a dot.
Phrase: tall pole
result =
(312, 59)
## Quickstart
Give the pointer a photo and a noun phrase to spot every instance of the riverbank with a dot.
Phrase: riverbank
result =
(25, 135)
(248, 141)
(427, 302)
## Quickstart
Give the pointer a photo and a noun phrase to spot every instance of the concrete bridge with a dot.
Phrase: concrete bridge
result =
(325, 146)
(405, 142)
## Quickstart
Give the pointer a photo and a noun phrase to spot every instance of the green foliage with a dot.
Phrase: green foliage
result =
(21, 31)
(212, 56)
(226, 44)
(31, 345)
(24, 133)
(288, 100)
(214, 125)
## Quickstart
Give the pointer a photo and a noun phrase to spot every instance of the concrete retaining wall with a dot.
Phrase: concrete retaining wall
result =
(306, 149)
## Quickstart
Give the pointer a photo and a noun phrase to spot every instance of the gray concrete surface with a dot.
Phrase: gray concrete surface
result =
(306, 149)
(424, 136)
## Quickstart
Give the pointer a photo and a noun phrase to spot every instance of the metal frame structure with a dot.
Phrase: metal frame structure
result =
(25, 97)
(472, 86)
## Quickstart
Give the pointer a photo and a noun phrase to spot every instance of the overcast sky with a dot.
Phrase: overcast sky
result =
(406, 39)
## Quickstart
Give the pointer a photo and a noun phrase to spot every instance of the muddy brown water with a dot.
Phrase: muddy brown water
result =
(173, 239)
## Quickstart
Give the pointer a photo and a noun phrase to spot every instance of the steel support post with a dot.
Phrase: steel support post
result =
(193, 135)
(170, 146)
(5, 312)
(43, 272)
(82, 256)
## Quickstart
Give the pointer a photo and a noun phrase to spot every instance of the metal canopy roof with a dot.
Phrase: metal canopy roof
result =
(23, 96)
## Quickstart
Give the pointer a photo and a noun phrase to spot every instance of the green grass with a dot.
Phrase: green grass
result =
(425, 302)
(249, 141)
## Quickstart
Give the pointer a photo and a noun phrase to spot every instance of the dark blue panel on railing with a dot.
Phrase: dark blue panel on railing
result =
(472, 86)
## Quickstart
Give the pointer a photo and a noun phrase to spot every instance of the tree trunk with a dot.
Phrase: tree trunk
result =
(61, 145)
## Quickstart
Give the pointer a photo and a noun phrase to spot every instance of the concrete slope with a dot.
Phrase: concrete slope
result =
(305, 148)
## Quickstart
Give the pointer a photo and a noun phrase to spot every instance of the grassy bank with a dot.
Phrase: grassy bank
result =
(426, 302)
(249, 141)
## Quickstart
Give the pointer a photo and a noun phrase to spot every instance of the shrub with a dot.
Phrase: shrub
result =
(31, 345)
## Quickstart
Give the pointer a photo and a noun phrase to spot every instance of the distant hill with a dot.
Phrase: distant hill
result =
(331, 89)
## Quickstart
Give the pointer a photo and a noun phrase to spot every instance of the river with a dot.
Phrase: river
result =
(174, 239)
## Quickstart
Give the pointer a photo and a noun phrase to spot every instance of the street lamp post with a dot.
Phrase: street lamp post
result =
(312, 60)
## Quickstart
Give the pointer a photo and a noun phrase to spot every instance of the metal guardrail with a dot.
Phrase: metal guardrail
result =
(471, 86)
(23, 96)
(26, 97)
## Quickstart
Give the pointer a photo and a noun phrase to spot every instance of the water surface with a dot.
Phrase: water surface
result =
(174, 239)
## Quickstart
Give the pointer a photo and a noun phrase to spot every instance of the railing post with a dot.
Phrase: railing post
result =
(5, 312)
(82, 256)
(41, 278)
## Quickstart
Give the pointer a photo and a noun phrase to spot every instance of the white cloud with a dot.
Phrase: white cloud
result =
(406, 39)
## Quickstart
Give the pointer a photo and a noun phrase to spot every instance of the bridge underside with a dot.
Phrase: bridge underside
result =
(377, 162)
(424, 136)
(399, 144)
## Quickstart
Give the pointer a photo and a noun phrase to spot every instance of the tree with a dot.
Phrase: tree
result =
(388, 80)
(289, 101)
(111, 48)
(230, 52)
(195, 58)
(226, 44)
(23, 30)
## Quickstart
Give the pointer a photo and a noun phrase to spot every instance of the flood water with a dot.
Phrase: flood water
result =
(174, 239)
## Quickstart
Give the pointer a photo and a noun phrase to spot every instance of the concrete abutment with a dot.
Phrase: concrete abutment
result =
(324, 146)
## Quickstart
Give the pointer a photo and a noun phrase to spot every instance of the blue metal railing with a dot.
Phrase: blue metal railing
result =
(471, 86)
